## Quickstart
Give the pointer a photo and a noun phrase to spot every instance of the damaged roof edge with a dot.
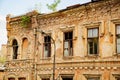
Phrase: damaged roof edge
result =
(71, 7)
(62, 10)
(78, 5)
(28, 13)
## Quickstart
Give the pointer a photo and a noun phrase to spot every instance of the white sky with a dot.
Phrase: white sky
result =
(17, 7)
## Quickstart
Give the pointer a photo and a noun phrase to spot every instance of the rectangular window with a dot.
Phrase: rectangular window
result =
(45, 79)
(11, 78)
(117, 78)
(118, 39)
(95, 78)
(47, 46)
(67, 78)
(92, 40)
(68, 43)
(22, 78)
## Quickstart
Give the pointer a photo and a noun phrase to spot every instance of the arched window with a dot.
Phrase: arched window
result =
(25, 43)
(24, 48)
(11, 78)
(15, 49)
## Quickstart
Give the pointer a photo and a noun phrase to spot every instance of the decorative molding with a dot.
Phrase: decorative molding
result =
(44, 75)
(81, 68)
(116, 74)
(20, 65)
(85, 65)
(92, 24)
(67, 28)
(110, 28)
(48, 31)
(115, 68)
(100, 25)
(112, 24)
(67, 75)
(116, 21)
(92, 75)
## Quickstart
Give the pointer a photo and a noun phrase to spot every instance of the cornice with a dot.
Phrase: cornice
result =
(82, 12)
(108, 65)
(18, 18)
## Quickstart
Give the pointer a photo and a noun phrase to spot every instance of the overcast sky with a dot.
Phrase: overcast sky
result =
(18, 7)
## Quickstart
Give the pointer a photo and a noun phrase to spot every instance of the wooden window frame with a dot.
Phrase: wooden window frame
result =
(101, 32)
(117, 36)
(93, 41)
(48, 43)
(69, 41)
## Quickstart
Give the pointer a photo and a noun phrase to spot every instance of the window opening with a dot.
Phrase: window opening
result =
(118, 39)
(92, 41)
(96, 78)
(11, 78)
(47, 46)
(45, 79)
(68, 43)
(21, 78)
(15, 49)
(67, 78)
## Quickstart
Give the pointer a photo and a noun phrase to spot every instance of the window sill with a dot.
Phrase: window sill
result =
(117, 54)
(46, 58)
(67, 57)
(92, 56)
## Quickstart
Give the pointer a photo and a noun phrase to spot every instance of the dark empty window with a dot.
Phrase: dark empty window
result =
(95, 78)
(118, 78)
(67, 78)
(45, 79)
(92, 41)
(68, 43)
(47, 46)
(15, 49)
(118, 39)
(11, 78)
(22, 78)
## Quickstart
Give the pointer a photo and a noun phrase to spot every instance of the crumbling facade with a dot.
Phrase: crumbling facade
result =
(2, 72)
(81, 42)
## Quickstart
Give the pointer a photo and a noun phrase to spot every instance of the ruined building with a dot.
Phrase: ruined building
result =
(81, 42)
